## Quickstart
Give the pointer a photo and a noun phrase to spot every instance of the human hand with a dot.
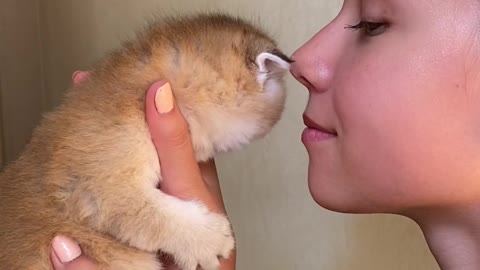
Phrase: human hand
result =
(181, 173)
(182, 176)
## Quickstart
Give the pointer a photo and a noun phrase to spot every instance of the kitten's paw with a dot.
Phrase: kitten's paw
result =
(209, 238)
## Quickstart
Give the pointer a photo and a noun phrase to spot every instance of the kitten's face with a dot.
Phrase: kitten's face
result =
(251, 102)
(229, 87)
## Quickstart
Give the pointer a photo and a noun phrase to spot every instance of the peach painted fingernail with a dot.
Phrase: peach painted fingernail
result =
(65, 249)
(164, 99)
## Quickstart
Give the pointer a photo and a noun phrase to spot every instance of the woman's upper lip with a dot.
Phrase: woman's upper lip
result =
(312, 124)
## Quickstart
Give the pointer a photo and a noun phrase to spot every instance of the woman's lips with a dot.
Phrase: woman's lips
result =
(316, 132)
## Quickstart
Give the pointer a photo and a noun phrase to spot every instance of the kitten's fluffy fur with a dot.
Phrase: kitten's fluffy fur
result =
(90, 170)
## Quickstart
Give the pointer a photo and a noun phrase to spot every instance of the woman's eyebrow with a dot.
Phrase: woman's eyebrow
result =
(385, 7)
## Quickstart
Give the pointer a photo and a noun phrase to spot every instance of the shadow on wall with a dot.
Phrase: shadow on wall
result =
(21, 76)
(69, 41)
(43, 43)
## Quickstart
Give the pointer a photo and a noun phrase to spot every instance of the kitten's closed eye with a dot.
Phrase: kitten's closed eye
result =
(285, 58)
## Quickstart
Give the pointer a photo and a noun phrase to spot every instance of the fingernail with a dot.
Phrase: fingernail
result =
(80, 76)
(75, 74)
(65, 249)
(164, 99)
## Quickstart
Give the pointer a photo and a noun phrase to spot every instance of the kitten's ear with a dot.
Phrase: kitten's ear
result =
(272, 64)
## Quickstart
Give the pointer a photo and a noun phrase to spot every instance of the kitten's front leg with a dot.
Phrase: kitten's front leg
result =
(151, 220)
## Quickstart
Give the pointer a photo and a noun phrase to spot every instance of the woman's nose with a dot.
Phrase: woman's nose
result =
(315, 62)
(310, 70)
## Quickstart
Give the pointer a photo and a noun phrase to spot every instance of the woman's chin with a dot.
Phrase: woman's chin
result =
(330, 194)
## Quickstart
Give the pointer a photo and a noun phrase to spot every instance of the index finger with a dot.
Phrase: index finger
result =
(210, 177)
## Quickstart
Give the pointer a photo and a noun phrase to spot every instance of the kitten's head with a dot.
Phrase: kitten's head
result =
(226, 74)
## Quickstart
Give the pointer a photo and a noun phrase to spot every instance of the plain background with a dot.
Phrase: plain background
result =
(277, 224)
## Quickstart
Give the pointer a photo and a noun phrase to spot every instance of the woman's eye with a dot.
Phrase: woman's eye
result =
(370, 28)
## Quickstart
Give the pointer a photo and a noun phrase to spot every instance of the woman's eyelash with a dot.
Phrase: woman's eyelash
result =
(370, 28)
(360, 25)
(364, 24)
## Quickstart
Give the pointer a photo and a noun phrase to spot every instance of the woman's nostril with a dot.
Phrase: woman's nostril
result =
(305, 82)
(301, 79)
(298, 73)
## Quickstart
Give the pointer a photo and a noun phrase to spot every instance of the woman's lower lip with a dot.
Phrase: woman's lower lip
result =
(315, 135)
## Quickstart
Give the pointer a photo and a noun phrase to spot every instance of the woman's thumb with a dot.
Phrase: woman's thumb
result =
(171, 137)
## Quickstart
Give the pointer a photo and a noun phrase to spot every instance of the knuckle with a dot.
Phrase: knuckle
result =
(178, 136)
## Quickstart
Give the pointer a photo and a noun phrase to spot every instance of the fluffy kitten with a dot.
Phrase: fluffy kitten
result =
(90, 171)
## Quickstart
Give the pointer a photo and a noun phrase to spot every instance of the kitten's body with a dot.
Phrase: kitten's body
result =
(90, 170)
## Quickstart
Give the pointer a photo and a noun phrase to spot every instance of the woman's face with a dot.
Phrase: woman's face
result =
(398, 100)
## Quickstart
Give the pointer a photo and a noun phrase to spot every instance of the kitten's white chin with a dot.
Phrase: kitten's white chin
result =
(230, 135)
(229, 131)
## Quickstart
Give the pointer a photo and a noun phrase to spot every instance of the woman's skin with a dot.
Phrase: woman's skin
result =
(394, 119)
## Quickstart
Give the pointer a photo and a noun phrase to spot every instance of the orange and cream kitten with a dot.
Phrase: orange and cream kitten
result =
(90, 171)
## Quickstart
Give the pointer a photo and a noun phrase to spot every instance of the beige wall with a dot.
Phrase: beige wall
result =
(277, 224)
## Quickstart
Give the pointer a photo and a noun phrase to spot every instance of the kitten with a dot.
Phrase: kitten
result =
(90, 171)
